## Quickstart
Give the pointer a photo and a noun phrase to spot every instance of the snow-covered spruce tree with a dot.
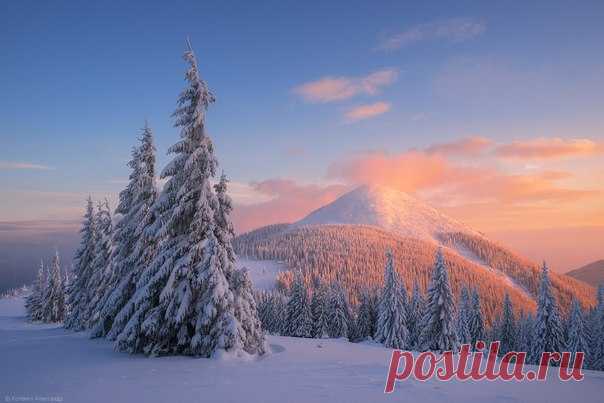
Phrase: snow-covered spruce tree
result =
(78, 294)
(101, 269)
(507, 331)
(366, 320)
(246, 311)
(548, 333)
(525, 332)
(392, 313)
(476, 321)
(338, 312)
(596, 333)
(35, 301)
(298, 322)
(577, 338)
(463, 316)
(54, 299)
(319, 310)
(439, 321)
(415, 314)
(184, 302)
(132, 244)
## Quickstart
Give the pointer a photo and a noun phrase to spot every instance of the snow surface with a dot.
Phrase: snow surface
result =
(388, 209)
(263, 273)
(46, 361)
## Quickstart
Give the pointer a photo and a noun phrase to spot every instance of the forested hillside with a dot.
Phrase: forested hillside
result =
(355, 256)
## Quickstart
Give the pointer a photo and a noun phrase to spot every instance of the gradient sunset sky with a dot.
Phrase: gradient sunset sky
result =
(493, 113)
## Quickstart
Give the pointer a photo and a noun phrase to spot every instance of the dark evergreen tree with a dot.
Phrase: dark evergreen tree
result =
(298, 322)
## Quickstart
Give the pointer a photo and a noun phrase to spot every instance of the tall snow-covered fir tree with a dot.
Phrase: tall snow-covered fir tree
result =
(415, 314)
(548, 334)
(298, 322)
(319, 310)
(34, 303)
(439, 321)
(463, 317)
(392, 313)
(54, 299)
(506, 328)
(101, 269)
(133, 246)
(184, 301)
(577, 339)
(78, 294)
(475, 320)
(366, 320)
(339, 320)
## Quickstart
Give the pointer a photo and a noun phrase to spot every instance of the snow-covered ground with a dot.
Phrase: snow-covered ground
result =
(263, 273)
(47, 362)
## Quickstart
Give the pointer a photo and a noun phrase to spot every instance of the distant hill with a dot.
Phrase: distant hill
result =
(592, 273)
(347, 241)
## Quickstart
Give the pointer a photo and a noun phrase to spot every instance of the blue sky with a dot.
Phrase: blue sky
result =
(79, 79)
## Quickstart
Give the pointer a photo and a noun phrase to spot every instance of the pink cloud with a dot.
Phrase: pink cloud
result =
(366, 111)
(330, 89)
(550, 148)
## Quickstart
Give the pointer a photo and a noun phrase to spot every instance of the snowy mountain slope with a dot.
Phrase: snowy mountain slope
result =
(388, 209)
(46, 361)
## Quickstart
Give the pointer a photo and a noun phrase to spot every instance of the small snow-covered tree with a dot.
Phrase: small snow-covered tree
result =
(463, 317)
(246, 310)
(475, 320)
(34, 303)
(415, 314)
(298, 322)
(101, 269)
(133, 242)
(54, 299)
(338, 312)
(577, 338)
(506, 329)
(78, 292)
(439, 321)
(319, 311)
(392, 313)
(548, 332)
(366, 320)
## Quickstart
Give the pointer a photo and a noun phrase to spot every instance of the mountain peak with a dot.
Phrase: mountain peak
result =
(386, 208)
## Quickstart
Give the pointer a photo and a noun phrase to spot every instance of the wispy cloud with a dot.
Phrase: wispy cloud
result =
(452, 30)
(366, 111)
(466, 146)
(12, 165)
(331, 89)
